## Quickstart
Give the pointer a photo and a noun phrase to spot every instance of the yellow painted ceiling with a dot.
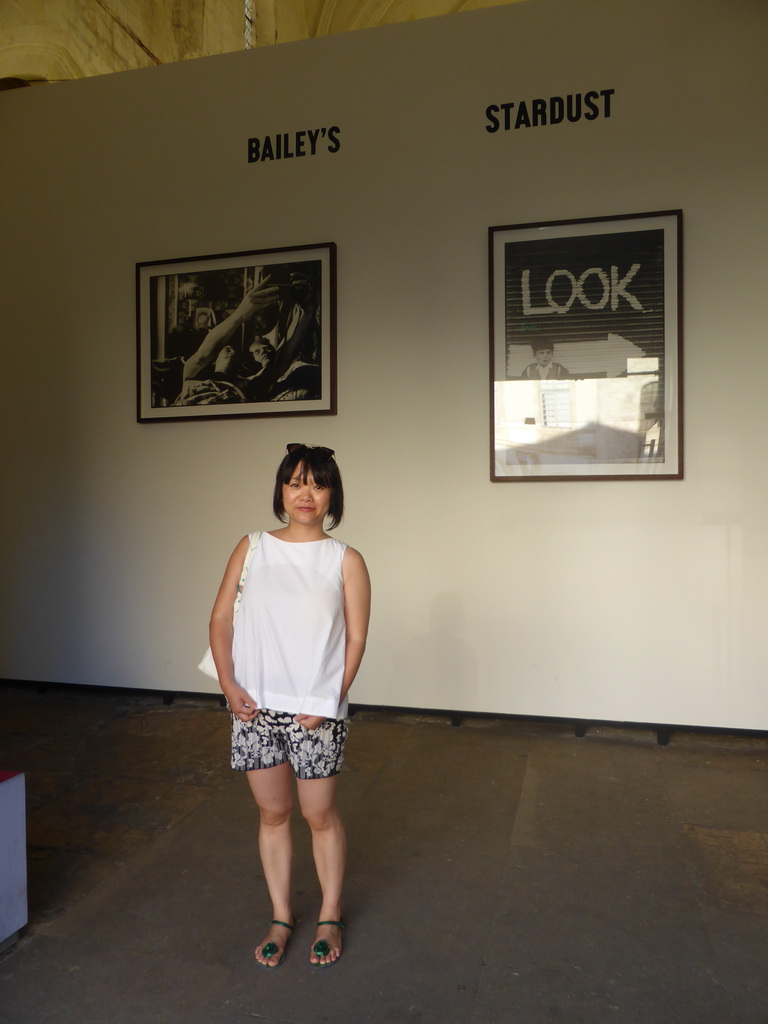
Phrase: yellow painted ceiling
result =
(54, 40)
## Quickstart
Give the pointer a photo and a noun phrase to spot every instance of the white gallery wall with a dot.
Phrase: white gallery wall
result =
(640, 600)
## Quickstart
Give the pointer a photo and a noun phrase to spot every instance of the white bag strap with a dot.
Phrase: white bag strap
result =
(254, 539)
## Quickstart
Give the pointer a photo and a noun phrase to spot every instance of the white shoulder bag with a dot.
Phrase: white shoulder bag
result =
(208, 665)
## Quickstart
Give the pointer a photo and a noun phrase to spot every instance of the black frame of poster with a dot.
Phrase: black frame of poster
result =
(237, 334)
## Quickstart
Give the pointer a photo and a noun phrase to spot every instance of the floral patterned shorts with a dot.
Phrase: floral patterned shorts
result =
(273, 738)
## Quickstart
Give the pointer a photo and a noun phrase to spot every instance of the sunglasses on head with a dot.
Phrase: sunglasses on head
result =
(311, 451)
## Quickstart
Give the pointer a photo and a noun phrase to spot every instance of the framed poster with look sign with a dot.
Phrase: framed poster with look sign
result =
(586, 349)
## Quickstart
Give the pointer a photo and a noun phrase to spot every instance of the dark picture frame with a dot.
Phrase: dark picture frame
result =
(586, 350)
(237, 334)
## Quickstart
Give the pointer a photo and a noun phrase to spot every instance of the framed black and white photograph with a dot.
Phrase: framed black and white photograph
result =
(238, 334)
(586, 349)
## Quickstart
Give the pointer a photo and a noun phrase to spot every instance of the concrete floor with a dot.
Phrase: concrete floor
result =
(499, 872)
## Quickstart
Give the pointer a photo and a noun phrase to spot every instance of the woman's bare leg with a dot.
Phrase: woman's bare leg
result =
(272, 789)
(329, 847)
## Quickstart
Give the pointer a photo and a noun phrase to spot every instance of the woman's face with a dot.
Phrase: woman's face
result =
(305, 503)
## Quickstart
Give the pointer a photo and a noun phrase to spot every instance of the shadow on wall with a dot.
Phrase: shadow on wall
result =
(440, 666)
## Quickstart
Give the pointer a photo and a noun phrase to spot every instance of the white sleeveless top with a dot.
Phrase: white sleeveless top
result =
(290, 633)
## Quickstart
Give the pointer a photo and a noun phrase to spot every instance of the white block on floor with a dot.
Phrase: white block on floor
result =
(13, 856)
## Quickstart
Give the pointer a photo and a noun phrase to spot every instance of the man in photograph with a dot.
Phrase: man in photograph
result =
(544, 368)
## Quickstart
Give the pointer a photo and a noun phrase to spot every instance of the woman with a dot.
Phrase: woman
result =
(285, 669)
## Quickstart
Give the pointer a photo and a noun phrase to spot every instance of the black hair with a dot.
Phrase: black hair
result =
(542, 343)
(325, 473)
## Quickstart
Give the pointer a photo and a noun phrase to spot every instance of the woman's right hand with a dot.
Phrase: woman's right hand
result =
(240, 703)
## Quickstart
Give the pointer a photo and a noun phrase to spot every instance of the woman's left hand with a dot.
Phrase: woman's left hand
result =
(310, 722)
